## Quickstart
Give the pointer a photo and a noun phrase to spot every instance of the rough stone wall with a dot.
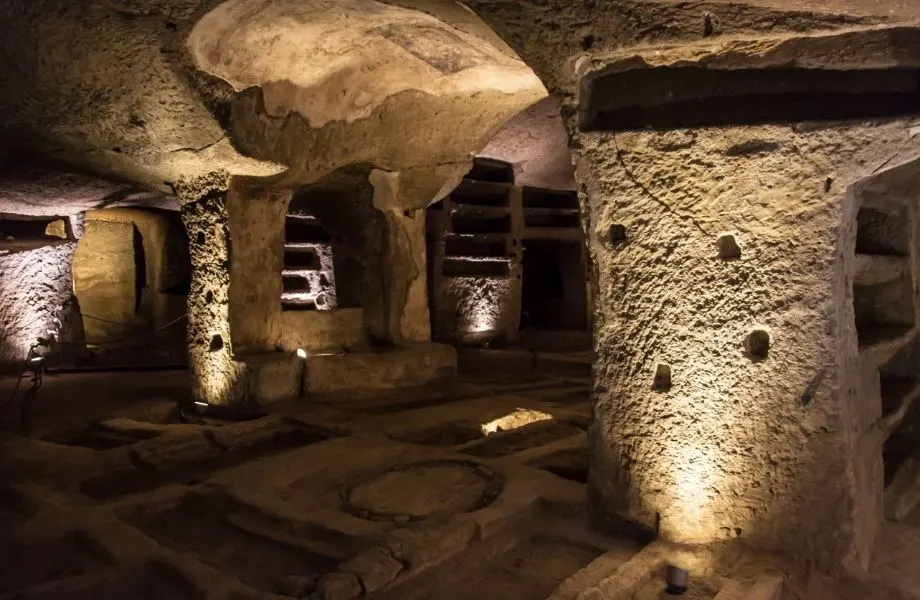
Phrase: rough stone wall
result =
(738, 445)
(759, 449)
(552, 36)
(537, 144)
(118, 242)
(236, 238)
(163, 243)
(34, 284)
(471, 309)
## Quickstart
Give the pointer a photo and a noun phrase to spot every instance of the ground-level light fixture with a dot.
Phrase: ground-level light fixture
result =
(301, 353)
(677, 580)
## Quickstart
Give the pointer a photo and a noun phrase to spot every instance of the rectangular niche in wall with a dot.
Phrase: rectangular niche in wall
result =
(487, 169)
(885, 316)
(478, 193)
(883, 310)
(900, 391)
(481, 223)
(24, 231)
(471, 246)
(307, 277)
(550, 209)
(883, 300)
(692, 96)
(882, 232)
(470, 267)
(553, 287)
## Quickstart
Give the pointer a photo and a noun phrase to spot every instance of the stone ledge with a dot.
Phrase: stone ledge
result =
(598, 581)
(405, 365)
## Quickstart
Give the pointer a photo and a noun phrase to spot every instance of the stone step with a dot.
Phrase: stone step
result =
(406, 365)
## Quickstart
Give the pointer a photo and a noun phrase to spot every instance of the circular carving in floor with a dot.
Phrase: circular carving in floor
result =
(425, 490)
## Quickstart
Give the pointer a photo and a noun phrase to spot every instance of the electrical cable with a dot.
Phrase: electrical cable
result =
(35, 363)
(135, 326)
(126, 339)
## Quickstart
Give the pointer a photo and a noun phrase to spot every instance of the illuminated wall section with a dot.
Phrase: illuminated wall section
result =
(34, 285)
(479, 309)
(215, 375)
(727, 348)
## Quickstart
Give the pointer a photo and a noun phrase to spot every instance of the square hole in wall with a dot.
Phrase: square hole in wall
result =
(882, 232)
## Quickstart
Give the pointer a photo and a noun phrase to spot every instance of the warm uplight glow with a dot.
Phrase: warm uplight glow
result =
(301, 353)
(482, 317)
(513, 420)
(690, 518)
(33, 287)
(483, 306)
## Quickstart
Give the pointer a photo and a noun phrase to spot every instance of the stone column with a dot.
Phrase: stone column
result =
(235, 235)
(256, 219)
(405, 292)
(726, 392)
(215, 376)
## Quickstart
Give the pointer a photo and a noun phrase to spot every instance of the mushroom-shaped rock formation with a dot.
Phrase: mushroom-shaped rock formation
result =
(319, 85)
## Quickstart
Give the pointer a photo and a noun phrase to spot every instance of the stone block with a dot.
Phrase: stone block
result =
(609, 578)
(297, 586)
(421, 548)
(273, 376)
(375, 568)
(406, 365)
(337, 586)
(312, 329)
(105, 279)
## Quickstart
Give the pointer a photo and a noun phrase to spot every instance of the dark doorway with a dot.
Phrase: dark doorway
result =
(553, 286)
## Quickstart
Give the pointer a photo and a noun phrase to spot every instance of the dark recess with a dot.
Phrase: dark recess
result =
(675, 97)
(480, 194)
(482, 224)
(301, 259)
(303, 230)
(476, 268)
(487, 169)
(458, 246)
